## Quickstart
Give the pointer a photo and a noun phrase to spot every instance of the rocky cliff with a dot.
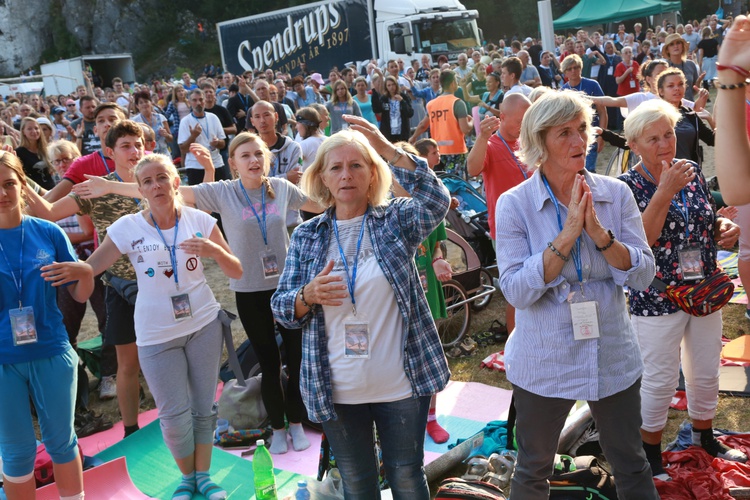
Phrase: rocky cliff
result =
(28, 28)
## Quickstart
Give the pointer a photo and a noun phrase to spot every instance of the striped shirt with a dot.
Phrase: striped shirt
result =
(396, 231)
(541, 355)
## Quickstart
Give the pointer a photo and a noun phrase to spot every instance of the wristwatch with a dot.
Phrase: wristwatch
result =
(399, 153)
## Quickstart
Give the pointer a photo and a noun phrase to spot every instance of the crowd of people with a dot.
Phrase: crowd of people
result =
(328, 222)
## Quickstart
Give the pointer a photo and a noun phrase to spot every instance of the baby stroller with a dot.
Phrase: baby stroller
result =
(469, 220)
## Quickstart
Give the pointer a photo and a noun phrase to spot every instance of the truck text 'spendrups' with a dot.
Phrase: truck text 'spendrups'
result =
(337, 32)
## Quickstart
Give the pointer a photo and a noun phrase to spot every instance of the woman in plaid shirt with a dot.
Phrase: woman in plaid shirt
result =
(370, 350)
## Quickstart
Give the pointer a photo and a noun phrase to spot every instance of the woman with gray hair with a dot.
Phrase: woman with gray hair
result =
(567, 243)
(371, 352)
(683, 230)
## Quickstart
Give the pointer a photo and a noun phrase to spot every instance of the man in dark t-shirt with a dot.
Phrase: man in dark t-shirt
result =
(86, 139)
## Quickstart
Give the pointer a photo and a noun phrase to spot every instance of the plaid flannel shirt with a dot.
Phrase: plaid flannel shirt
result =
(396, 230)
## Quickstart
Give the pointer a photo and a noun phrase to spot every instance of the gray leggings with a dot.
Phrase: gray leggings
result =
(182, 375)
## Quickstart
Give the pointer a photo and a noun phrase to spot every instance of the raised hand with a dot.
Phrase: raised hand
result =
(325, 289)
(676, 176)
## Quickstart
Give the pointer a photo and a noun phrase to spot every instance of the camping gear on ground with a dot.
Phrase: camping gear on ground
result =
(331, 488)
(90, 352)
(241, 438)
(265, 481)
(738, 349)
(702, 297)
(243, 406)
(43, 471)
(582, 478)
(575, 426)
(470, 218)
(471, 288)
(458, 488)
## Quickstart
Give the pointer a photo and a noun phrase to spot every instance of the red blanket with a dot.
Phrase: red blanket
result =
(696, 475)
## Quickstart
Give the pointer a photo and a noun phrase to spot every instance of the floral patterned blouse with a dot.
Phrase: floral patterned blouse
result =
(701, 219)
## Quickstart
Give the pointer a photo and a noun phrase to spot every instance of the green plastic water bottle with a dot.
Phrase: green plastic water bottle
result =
(265, 481)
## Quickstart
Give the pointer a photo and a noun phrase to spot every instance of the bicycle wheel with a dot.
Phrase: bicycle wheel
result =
(453, 328)
(485, 278)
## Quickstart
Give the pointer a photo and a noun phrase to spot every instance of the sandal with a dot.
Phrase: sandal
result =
(462, 350)
(501, 469)
(499, 332)
(478, 467)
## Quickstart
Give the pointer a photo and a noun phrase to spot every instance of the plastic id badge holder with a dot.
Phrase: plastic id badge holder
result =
(270, 265)
(181, 308)
(691, 262)
(585, 316)
(22, 325)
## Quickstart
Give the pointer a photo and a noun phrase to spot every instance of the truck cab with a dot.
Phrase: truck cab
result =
(408, 28)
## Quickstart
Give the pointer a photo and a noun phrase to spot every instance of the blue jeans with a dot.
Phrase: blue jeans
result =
(591, 158)
(401, 428)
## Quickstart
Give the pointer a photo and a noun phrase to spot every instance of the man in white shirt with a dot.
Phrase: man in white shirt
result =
(203, 128)
(510, 74)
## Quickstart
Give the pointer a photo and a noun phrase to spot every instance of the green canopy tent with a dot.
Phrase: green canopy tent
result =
(589, 12)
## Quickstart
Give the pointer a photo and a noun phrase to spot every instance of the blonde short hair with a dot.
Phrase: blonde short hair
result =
(552, 109)
(62, 146)
(647, 113)
(571, 60)
(312, 179)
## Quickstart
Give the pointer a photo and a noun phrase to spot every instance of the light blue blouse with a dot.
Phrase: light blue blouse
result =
(541, 355)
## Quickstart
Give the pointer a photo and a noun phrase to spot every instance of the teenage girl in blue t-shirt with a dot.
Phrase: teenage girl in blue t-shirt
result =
(36, 359)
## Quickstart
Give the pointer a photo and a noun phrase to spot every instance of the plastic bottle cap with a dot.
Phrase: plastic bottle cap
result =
(260, 443)
(301, 483)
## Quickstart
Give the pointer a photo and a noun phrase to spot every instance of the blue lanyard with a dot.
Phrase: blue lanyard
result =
(513, 155)
(205, 129)
(350, 281)
(576, 254)
(243, 100)
(262, 209)
(173, 249)
(19, 282)
(684, 211)
(104, 160)
(136, 200)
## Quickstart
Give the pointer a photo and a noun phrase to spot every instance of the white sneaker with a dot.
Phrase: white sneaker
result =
(108, 388)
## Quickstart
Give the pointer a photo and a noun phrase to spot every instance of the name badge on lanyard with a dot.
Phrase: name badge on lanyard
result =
(180, 302)
(356, 325)
(22, 323)
(584, 313)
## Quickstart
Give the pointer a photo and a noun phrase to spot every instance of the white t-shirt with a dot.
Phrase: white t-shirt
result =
(519, 89)
(310, 149)
(211, 129)
(154, 319)
(381, 377)
(637, 98)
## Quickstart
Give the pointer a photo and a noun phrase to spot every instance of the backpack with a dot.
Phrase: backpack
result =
(458, 488)
(43, 470)
(581, 478)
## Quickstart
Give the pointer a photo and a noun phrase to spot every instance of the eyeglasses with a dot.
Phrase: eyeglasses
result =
(71, 105)
(60, 161)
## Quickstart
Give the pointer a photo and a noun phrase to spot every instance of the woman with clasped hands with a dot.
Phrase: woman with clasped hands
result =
(683, 230)
(370, 350)
(567, 243)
